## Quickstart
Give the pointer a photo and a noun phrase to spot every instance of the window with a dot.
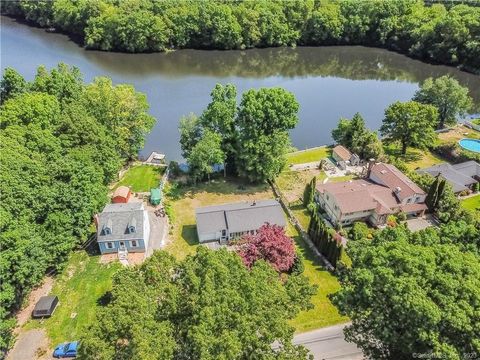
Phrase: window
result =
(131, 229)
(106, 231)
(134, 243)
(408, 201)
(109, 245)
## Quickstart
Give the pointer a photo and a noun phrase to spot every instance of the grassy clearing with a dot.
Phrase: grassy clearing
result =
(472, 203)
(292, 183)
(142, 178)
(307, 156)
(183, 201)
(80, 288)
(458, 133)
(324, 313)
(414, 158)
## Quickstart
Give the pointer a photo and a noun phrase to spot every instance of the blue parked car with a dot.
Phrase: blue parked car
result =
(66, 350)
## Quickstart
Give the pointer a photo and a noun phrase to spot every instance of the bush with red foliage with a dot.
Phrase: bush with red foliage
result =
(271, 244)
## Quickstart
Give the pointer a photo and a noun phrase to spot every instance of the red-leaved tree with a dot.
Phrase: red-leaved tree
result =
(271, 244)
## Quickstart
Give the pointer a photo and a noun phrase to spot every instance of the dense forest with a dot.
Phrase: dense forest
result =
(62, 142)
(435, 33)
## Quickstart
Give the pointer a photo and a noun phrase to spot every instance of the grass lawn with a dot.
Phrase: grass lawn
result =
(414, 158)
(324, 312)
(472, 203)
(292, 183)
(183, 201)
(79, 288)
(311, 155)
(142, 178)
(458, 133)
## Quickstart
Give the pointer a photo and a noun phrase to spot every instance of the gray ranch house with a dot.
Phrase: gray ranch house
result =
(462, 177)
(123, 227)
(231, 221)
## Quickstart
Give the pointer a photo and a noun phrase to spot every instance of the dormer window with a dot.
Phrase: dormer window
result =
(107, 227)
(132, 226)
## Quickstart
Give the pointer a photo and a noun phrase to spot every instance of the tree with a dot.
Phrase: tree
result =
(354, 135)
(11, 85)
(271, 244)
(206, 153)
(447, 95)
(219, 117)
(190, 133)
(431, 200)
(405, 297)
(209, 306)
(309, 192)
(410, 123)
(263, 121)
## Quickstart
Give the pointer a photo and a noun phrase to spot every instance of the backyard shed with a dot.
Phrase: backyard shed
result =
(121, 195)
(45, 306)
(155, 196)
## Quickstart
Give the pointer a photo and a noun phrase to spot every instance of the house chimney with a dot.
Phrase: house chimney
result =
(371, 162)
(95, 220)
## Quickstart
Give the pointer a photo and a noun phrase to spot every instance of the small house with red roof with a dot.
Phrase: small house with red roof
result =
(121, 195)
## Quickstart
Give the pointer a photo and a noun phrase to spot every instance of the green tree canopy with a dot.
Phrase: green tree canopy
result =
(210, 306)
(440, 32)
(12, 84)
(62, 142)
(264, 118)
(354, 135)
(447, 95)
(206, 153)
(404, 297)
(410, 123)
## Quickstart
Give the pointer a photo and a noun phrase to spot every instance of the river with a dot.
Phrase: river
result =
(329, 82)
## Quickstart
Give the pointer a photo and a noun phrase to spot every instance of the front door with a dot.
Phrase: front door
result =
(122, 245)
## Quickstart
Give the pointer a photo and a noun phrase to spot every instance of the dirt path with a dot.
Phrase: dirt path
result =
(24, 315)
(31, 344)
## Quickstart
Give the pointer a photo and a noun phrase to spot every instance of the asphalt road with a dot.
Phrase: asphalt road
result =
(328, 343)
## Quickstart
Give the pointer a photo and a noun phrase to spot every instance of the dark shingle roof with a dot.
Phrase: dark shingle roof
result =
(459, 175)
(238, 217)
(117, 217)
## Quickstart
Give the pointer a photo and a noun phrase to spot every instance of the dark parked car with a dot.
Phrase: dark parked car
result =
(66, 350)
(45, 306)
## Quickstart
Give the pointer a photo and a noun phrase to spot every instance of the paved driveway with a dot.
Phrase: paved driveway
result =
(417, 224)
(158, 230)
(31, 345)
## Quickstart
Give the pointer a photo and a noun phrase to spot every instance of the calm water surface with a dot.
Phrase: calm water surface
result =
(329, 82)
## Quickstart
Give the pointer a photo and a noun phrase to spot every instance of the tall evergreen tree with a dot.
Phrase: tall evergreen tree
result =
(432, 195)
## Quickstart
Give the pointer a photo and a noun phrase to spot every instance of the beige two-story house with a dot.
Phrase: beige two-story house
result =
(385, 190)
